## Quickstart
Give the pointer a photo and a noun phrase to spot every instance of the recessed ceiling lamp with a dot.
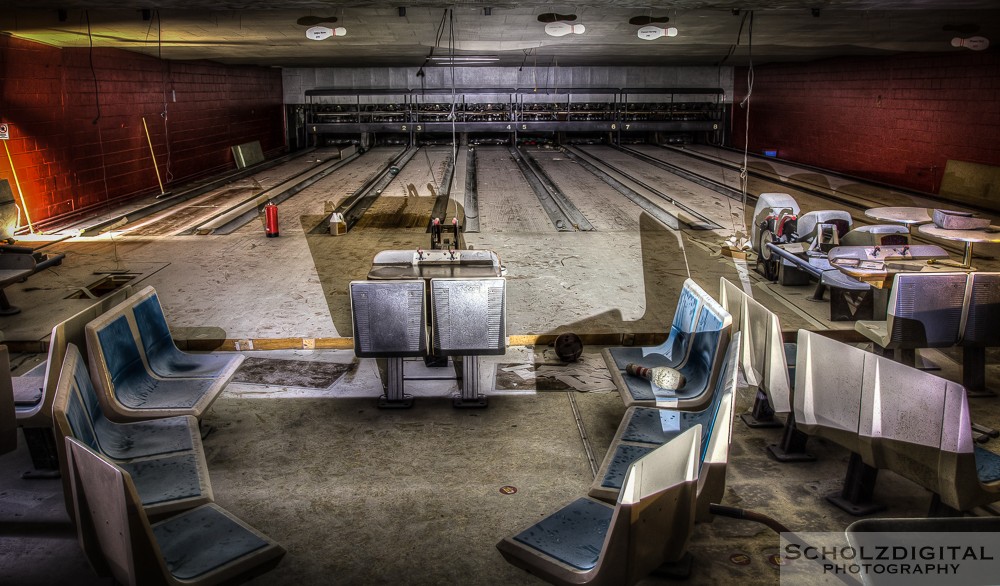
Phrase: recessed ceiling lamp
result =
(561, 29)
(651, 33)
(320, 33)
(973, 43)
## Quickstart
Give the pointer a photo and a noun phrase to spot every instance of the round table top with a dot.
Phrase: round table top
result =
(902, 215)
(990, 234)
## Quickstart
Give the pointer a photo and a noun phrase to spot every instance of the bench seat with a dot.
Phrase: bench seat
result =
(162, 355)
(987, 465)
(573, 535)
(28, 391)
(706, 346)
(643, 429)
(126, 388)
(675, 349)
(205, 545)
(593, 542)
(165, 457)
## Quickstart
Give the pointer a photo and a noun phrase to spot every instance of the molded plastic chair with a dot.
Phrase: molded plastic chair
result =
(126, 388)
(701, 368)
(674, 350)
(733, 300)
(592, 542)
(642, 429)
(918, 425)
(981, 325)
(8, 420)
(163, 356)
(924, 311)
(979, 329)
(828, 382)
(35, 390)
(164, 456)
(805, 228)
(206, 545)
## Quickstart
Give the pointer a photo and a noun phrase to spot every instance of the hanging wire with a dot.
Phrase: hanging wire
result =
(454, 97)
(93, 72)
(100, 136)
(168, 176)
(747, 21)
(746, 104)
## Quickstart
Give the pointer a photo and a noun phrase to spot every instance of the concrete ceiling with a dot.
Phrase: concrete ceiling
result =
(261, 32)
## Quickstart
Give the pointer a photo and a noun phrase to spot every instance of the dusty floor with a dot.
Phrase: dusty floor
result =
(359, 495)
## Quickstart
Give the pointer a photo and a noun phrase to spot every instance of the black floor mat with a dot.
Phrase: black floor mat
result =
(290, 373)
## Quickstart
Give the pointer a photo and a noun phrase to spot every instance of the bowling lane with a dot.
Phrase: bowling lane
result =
(506, 201)
(599, 202)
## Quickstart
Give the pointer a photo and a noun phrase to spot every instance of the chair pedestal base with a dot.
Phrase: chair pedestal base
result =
(974, 372)
(679, 570)
(467, 369)
(403, 402)
(762, 416)
(793, 445)
(42, 448)
(391, 372)
(859, 486)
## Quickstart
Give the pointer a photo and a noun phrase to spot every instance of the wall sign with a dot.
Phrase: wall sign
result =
(4, 132)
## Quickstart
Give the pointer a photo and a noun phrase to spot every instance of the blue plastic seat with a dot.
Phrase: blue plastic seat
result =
(127, 390)
(673, 351)
(206, 545)
(164, 456)
(590, 541)
(708, 344)
(643, 429)
(162, 354)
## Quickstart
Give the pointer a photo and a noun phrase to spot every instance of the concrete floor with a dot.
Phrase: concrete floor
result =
(359, 495)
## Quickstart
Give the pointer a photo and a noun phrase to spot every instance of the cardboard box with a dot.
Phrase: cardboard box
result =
(736, 253)
(338, 227)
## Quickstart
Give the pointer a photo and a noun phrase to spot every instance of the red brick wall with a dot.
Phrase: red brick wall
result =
(893, 119)
(69, 159)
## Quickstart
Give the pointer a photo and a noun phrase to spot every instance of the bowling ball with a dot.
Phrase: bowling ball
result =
(568, 347)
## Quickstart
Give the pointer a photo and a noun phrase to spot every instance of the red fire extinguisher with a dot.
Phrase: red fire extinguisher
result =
(271, 220)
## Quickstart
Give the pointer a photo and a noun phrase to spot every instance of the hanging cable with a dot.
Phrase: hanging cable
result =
(100, 135)
(740, 225)
(430, 54)
(746, 104)
(93, 71)
(454, 97)
(168, 176)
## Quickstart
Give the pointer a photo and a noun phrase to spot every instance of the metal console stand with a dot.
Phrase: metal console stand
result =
(468, 370)
(391, 374)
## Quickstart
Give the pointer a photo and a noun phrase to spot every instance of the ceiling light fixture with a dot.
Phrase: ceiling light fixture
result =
(320, 33)
(651, 33)
(465, 58)
(561, 29)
